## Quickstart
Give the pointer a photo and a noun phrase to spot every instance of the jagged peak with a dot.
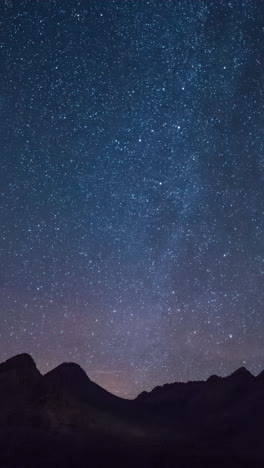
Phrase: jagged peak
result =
(20, 361)
(214, 379)
(68, 370)
(242, 372)
(71, 380)
(142, 395)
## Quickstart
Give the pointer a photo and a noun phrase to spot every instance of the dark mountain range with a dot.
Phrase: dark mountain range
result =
(64, 419)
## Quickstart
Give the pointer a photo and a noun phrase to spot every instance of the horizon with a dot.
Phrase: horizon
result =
(126, 395)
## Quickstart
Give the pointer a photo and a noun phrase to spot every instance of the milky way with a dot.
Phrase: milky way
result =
(132, 187)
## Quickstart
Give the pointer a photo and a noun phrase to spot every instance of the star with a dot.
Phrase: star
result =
(132, 170)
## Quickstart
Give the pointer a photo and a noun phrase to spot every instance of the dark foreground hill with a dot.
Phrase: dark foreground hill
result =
(65, 420)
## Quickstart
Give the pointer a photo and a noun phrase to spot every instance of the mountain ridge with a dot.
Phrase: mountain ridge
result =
(75, 371)
(190, 424)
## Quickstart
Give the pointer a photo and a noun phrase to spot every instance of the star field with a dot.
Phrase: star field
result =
(132, 187)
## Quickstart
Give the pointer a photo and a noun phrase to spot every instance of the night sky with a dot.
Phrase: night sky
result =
(132, 187)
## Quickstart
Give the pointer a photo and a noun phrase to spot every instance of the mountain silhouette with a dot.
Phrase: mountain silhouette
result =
(18, 378)
(21, 362)
(69, 379)
(241, 374)
(63, 419)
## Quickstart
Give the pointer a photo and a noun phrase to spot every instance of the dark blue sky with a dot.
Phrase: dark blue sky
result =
(132, 187)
